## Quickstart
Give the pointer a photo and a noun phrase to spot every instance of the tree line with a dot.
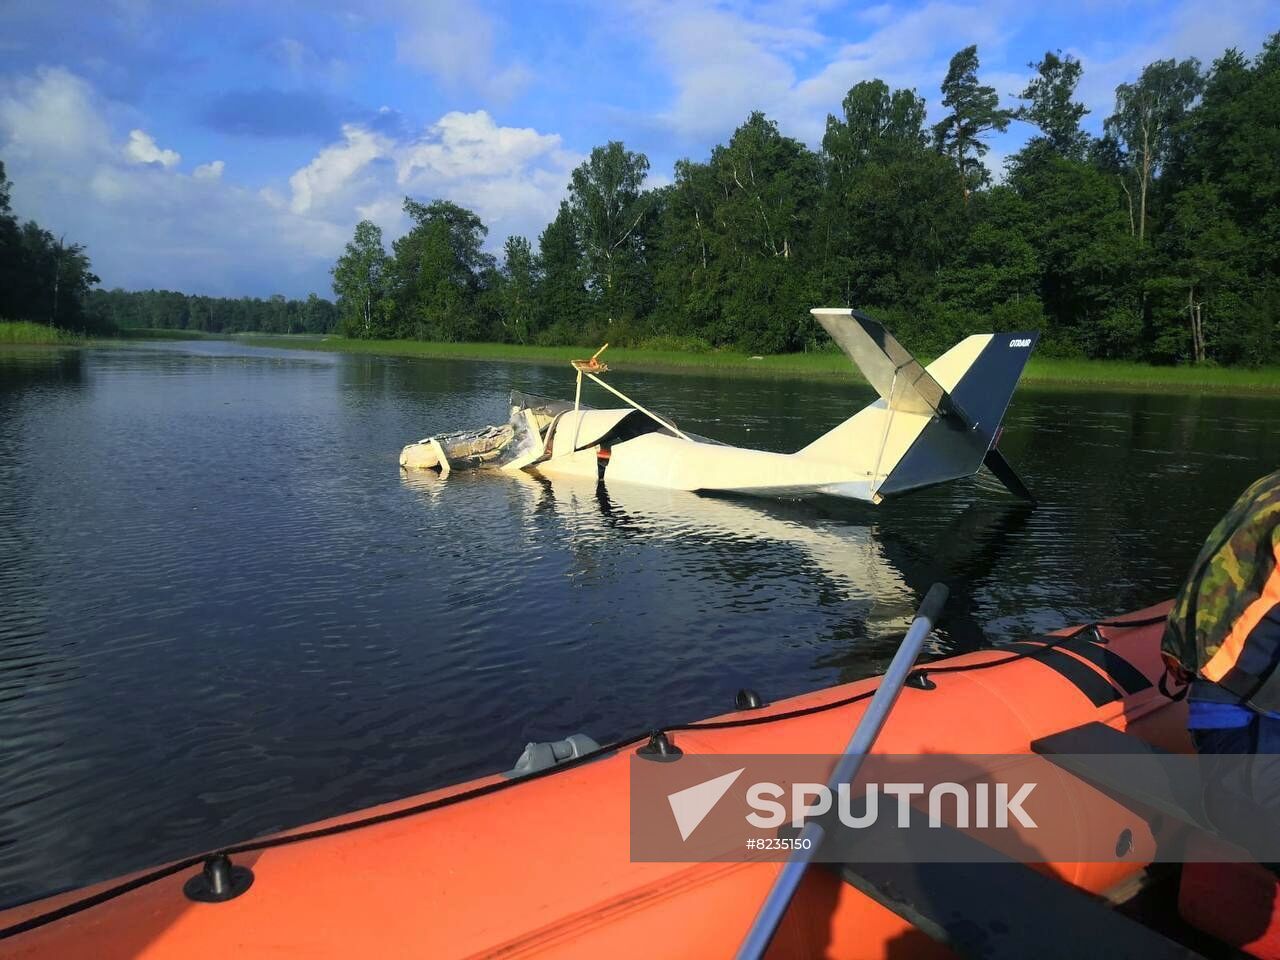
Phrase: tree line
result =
(168, 310)
(43, 278)
(1157, 240)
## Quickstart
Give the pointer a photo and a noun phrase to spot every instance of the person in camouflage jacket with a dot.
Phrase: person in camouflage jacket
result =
(1223, 633)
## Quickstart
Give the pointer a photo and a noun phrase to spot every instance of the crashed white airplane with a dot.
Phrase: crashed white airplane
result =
(930, 425)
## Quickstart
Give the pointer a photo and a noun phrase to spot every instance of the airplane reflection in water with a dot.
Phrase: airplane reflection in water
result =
(881, 564)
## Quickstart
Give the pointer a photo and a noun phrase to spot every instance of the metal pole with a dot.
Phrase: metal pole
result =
(648, 413)
(884, 437)
(864, 738)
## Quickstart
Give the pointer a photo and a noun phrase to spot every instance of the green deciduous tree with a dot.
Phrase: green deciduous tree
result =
(684, 252)
(609, 208)
(1148, 119)
(877, 123)
(360, 282)
(736, 242)
(1202, 287)
(439, 268)
(564, 306)
(317, 315)
(996, 270)
(1076, 221)
(518, 286)
(891, 216)
(1233, 142)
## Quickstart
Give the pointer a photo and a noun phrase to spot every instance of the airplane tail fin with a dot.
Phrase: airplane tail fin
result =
(948, 414)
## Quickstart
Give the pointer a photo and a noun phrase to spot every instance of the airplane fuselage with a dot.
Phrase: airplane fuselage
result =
(661, 459)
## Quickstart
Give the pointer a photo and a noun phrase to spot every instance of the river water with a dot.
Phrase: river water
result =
(223, 610)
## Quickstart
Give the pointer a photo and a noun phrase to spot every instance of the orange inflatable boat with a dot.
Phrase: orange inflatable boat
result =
(540, 865)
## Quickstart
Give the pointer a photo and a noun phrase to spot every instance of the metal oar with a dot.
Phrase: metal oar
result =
(864, 738)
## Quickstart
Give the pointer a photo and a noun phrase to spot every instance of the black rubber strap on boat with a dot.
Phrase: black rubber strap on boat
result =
(1117, 668)
(1085, 679)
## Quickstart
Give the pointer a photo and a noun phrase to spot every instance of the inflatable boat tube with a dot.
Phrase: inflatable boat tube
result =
(540, 865)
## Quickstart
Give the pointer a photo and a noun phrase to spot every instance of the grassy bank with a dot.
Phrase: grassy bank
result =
(39, 334)
(1181, 379)
(156, 333)
(821, 364)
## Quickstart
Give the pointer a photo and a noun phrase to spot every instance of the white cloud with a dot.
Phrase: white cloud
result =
(386, 211)
(454, 41)
(727, 59)
(209, 171)
(142, 148)
(513, 177)
(293, 53)
(109, 186)
(50, 114)
(145, 223)
(472, 145)
(725, 62)
(911, 49)
(335, 166)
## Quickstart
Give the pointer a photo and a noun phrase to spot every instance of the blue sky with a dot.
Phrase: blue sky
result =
(230, 148)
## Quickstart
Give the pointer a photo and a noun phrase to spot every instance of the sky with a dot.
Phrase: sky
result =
(229, 148)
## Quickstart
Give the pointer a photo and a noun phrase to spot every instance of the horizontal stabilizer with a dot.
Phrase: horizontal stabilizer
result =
(895, 374)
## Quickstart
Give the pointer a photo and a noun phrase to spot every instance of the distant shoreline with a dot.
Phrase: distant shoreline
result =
(819, 365)
(1043, 371)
